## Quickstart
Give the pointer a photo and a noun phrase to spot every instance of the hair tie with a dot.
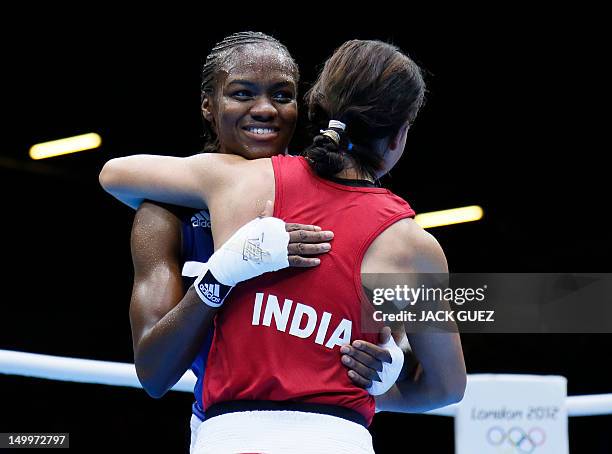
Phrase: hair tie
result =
(331, 133)
(336, 124)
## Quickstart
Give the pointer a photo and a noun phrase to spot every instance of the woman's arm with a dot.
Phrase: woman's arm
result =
(190, 181)
(168, 328)
(406, 248)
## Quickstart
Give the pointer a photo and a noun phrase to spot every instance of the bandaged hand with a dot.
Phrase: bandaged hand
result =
(258, 247)
(390, 370)
(374, 367)
(263, 245)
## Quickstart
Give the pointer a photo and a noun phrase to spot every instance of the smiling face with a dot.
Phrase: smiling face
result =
(254, 107)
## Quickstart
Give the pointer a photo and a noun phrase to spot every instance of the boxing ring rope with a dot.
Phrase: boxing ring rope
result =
(78, 370)
(124, 374)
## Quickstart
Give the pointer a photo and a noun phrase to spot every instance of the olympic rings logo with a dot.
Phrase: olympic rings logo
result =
(523, 442)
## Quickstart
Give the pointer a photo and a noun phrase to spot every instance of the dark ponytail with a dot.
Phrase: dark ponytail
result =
(325, 156)
(373, 89)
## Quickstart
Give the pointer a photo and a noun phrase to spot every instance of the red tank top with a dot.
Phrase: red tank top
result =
(278, 336)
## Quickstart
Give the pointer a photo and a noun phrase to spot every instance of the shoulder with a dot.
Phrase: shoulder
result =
(156, 233)
(159, 217)
(406, 247)
(413, 249)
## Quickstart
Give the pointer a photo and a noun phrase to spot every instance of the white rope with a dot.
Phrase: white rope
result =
(124, 374)
(591, 405)
(78, 370)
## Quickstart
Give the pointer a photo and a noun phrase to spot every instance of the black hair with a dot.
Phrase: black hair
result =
(371, 87)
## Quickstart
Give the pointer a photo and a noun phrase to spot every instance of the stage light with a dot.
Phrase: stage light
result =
(65, 146)
(448, 217)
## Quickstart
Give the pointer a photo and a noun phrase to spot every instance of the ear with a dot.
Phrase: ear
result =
(399, 137)
(207, 111)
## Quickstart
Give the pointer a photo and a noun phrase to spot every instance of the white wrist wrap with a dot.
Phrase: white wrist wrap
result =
(256, 248)
(390, 371)
(209, 289)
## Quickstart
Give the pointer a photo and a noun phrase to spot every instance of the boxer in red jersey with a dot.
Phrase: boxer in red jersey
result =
(375, 92)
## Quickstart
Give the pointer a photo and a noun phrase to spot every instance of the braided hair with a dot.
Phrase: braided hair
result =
(215, 61)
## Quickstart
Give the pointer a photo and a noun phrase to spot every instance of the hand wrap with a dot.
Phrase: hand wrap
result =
(258, 247)
(390, 371)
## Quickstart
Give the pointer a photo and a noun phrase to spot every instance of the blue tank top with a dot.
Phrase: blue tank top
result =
(197, 247)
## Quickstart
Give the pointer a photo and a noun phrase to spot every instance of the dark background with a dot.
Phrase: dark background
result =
(512, 123)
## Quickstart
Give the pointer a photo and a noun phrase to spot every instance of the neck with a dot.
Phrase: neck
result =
(351, 173)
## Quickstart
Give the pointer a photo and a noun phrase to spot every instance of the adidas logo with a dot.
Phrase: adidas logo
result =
(201, 219)
(211, 291)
